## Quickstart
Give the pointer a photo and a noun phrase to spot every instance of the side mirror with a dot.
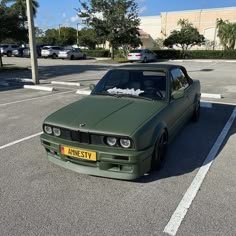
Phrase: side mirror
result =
(178, 94)
(91, 87)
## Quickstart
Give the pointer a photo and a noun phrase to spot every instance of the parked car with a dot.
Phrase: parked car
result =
(122, 130)
(142, 55)
(50, 51)
(7, 49)
(21, 52)
(72, 53)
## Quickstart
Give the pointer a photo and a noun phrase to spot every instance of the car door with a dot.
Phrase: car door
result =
(178, 106)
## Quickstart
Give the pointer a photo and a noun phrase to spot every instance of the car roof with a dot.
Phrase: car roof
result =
(151, 67)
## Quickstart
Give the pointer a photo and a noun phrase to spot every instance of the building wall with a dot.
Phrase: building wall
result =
(204, 19)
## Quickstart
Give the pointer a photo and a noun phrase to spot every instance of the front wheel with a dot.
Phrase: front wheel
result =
(54, 56)
(159, 151)
(196, 112)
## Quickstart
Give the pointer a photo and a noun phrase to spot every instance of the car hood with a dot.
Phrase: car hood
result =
(105, 114)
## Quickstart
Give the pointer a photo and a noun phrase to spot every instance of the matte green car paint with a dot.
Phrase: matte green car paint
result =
(141, 120)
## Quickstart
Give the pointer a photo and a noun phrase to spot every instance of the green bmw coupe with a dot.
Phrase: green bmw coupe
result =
(123, 128)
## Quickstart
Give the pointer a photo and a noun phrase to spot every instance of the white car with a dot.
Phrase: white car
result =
(50, 51)
(7, 49)
(143, 55)
(72, 53)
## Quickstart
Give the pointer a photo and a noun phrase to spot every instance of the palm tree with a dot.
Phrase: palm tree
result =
(226, 33)
(20, 7)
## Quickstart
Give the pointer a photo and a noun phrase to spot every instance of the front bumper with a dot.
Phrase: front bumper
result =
(111, 162)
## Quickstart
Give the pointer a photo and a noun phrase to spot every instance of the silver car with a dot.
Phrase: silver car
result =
(50, 51)
(143, 55)
(72, 53)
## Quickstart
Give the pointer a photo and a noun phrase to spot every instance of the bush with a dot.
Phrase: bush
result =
(168, 54)
(195, 54)
(97, 53)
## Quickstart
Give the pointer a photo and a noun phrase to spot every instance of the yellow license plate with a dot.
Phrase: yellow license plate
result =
(78, 153)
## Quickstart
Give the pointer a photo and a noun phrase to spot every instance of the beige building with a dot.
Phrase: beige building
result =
(203, 19)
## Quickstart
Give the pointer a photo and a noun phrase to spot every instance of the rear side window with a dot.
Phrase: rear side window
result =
(179, 80)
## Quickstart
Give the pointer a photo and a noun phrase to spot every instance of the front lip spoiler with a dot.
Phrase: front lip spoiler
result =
(92, 170)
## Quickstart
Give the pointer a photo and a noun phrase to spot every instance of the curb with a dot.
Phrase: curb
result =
(211, 95)
(83, 92)
(42, 88)
(65, 83)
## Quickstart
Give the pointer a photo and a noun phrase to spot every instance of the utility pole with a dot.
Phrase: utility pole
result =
(78, 34)
(33, 53)
(60, 33)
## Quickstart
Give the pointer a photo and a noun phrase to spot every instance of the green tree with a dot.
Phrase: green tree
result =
(51, 36)
(11, 26)
(116, 21)
(226, 33)
(19, 6)
(88, 38)
(67, 36)
(186, 37)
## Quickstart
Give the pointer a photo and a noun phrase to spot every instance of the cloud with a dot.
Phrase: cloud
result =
(63, 15)
(142, 9)
(74, 19)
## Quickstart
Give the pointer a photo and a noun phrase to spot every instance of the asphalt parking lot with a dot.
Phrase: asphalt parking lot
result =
(39, 198)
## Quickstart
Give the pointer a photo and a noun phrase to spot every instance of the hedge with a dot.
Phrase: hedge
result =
(196, 54)
(173, 54)
(97, 53)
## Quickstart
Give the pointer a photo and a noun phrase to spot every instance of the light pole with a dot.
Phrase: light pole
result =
(33, 53)
(78, 33)
(59, 32)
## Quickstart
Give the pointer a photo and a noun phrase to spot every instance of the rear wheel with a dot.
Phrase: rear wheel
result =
(159, 151)
(72, 57)
(9, 53)
(54, 56)
(145, 60)
(196, 112)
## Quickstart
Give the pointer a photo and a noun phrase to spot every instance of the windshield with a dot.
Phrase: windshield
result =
(133, 83)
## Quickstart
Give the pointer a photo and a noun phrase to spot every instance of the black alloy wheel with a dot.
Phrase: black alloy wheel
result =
(196, 112)
(159, 152)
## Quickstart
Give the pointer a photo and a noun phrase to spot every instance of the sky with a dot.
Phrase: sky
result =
(52, 13)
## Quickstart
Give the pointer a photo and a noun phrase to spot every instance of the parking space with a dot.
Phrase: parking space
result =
(39, 198)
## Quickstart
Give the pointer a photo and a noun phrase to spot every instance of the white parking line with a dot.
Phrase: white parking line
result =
(206, 104)
(19, 140)
(30, 99)
(182, 209)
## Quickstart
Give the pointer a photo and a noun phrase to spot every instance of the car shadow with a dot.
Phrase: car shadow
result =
(49, 72)
(188, 151)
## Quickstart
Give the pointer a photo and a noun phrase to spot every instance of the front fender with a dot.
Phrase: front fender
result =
(147, 136)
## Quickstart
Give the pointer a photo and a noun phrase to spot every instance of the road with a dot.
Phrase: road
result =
(39, 198)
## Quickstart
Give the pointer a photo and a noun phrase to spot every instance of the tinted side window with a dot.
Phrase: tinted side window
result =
(179, 81)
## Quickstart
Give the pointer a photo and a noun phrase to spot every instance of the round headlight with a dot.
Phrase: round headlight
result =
(111, 141)
(56, 132)
(125, 143)
(48, 129)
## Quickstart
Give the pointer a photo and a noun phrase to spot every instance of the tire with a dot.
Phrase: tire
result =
(54, 56)
(196, 112)
(72, 57)
(159, 151)
(84, 56)
(9, 54)
(145, 60)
